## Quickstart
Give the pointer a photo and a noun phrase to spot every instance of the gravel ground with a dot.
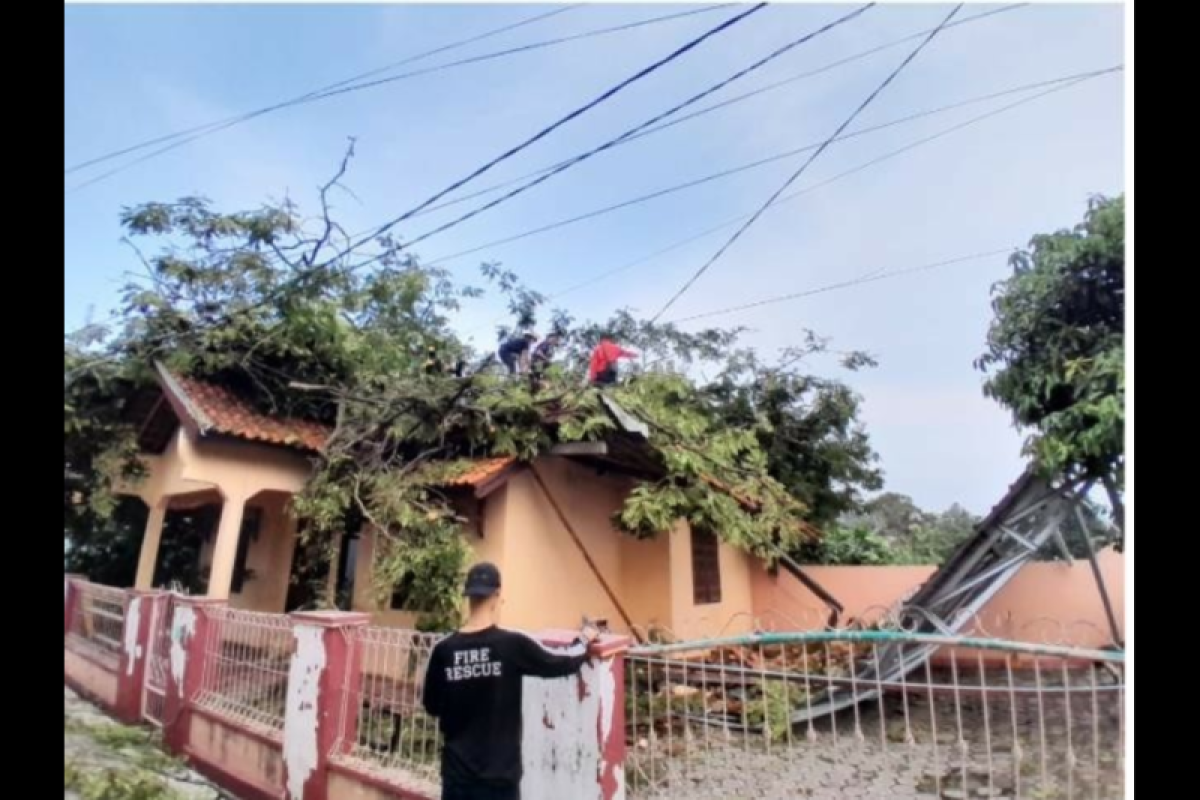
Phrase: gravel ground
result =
(103, 760)
(898, 759)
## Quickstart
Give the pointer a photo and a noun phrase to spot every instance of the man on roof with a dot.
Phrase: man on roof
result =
(602, 370)
(514, 352)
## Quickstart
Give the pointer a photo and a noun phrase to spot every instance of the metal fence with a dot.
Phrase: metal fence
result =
(154, 682)
(245, 668)
(808, 714)
(395, 737)
(97, 624)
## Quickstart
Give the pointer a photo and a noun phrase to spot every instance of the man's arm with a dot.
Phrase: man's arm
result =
(534, 660)
(435, 684)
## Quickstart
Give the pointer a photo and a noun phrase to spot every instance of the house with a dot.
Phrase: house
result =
(546, 524)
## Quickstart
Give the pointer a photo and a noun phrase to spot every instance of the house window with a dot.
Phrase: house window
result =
(706, 568)
(347, 567)
(251, 523)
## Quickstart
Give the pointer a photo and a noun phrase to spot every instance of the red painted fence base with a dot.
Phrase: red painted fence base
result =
(108, 655)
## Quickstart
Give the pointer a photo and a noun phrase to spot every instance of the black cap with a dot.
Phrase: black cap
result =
(483, 580)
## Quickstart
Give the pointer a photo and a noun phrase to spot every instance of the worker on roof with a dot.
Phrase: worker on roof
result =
(514, 352)
(543, 356)
(433, 361)
(602, 370)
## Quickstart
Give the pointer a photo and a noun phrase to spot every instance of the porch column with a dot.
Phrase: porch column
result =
(220, 575)
(148, 558)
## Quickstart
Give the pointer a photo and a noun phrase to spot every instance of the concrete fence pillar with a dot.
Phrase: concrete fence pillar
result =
(322, 683)
(70, 599)
(573, 738)
(191, 633)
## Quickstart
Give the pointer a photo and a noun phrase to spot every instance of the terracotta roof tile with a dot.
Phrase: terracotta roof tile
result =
(482, 471)
(230, 415)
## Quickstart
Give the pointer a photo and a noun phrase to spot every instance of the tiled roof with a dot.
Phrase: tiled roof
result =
(217, 410)
(482, 471)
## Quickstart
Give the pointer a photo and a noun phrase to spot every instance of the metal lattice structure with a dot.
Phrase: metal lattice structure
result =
(1029, 516)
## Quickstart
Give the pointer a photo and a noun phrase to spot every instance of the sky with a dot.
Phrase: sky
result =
(135, 72)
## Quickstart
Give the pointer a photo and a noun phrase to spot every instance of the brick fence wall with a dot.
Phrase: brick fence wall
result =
(318, 706)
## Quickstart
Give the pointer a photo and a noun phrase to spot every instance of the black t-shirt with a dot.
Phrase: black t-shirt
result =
(515, 347)
(473, 687)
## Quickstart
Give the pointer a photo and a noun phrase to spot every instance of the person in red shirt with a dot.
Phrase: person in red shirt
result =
(602, 371)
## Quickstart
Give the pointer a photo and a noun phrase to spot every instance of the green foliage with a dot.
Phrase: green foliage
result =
(116, 784)
(1056, 349)
(279, 309)
(845, 547)
(772, 708)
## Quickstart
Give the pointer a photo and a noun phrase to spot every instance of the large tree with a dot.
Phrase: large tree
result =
(304, 321)
(1056, 349)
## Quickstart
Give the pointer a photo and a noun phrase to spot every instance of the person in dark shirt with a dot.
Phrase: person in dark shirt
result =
(514, 353)
(473, 688)
(543, 356)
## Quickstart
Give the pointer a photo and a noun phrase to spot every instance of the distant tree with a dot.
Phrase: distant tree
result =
(894, 516)
(849, 547)
(1056, 349)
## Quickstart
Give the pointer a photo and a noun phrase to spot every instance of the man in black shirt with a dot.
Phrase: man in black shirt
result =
(473, 687)
(514, 352)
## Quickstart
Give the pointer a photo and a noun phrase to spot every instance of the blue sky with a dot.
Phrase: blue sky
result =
(134, 72)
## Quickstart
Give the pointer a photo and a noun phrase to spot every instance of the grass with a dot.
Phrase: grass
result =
(140, 770)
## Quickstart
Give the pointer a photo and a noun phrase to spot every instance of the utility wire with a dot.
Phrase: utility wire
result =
(839, 176)
(313, 93)
(341, 87)
(307, 272)
(632, 131)
(546, 131)
(870, 277)
(1056, 86)
(761, 162)
(801, 169)
(727, 103)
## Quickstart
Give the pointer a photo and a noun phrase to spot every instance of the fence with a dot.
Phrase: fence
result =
(154, 688)
(323, 706)
(393, 733)
(247, 655)
(97, 623)
(816, 714)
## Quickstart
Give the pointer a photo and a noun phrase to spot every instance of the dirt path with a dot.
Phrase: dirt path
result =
(103, 760)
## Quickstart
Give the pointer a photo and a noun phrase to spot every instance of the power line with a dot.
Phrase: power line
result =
(1057, 85)
(347, 86)
(305, 273)
(338, 84)
(633, 131)
(870, 277)
(758, 163)
(581, 110)
(800, 170)
(839, 176)
(730, 102)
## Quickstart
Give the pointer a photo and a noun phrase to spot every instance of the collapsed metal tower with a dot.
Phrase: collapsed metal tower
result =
(1029, 516)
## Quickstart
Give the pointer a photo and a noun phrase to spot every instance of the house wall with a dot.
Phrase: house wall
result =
(485, 535)
(242, 469)
(729, 616)
(547, 580)
(1044, 602)
(548, 583)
